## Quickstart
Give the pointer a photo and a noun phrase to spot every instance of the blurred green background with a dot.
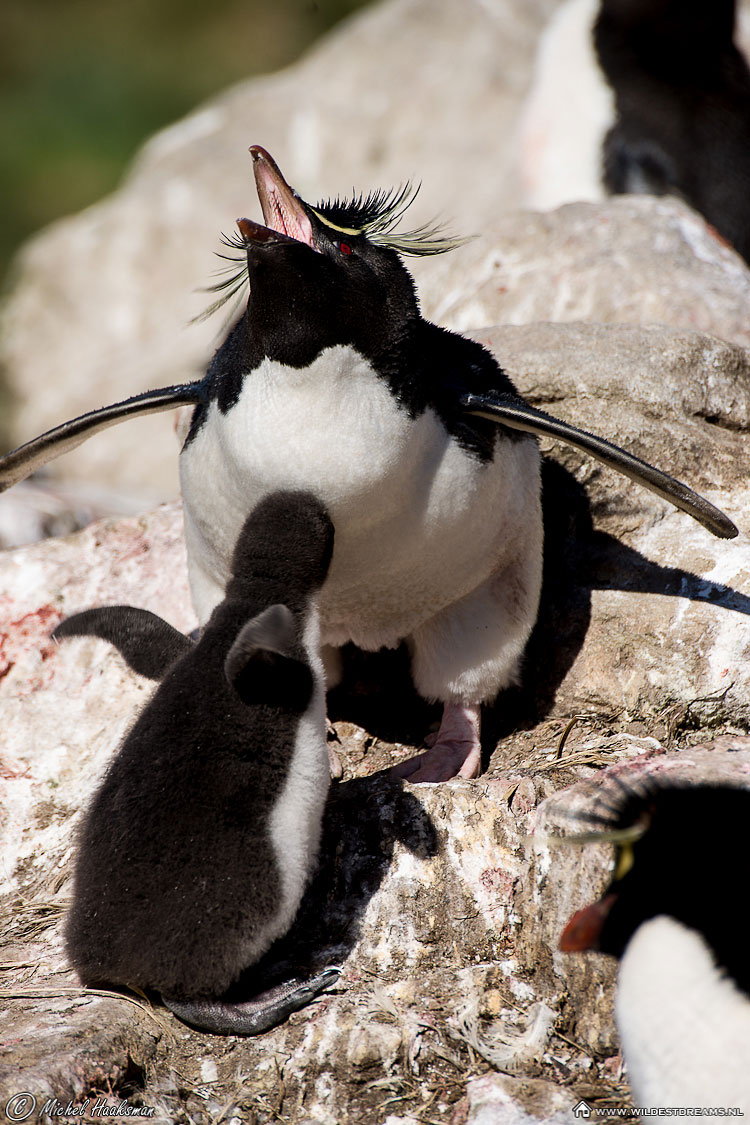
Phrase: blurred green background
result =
(84, 82)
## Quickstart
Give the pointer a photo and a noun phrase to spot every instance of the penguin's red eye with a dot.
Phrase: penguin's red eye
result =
(345, 248)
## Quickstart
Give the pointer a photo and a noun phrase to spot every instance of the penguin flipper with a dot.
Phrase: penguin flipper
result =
(26, 459)
(251, 1017)
(513, 412)
(147, 643)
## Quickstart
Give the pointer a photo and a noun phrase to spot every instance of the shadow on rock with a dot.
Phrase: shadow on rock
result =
(365, 819)
(614, 566)
(376, 691)
(577, 560)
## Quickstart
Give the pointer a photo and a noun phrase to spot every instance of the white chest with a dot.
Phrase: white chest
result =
(685, 1028)
(418, 521)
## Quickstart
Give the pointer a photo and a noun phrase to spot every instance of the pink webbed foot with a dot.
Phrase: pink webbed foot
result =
(455, 752)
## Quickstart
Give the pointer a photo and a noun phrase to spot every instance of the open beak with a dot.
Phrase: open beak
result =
(260, 235)
(283, 211)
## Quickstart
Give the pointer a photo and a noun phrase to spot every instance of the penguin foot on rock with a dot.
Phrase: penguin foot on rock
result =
(455, 752)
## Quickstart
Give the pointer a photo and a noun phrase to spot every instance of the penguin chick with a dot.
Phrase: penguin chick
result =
(197, 847)
(673, 917)
(657, 102)
(413, 437)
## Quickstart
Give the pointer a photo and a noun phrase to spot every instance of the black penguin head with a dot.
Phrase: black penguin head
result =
(678, 847)
(329, 274)
(287, 539)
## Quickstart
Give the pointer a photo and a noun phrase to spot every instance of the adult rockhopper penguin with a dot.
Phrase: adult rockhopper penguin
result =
(333, 377)
(673, 916)
(412, 436)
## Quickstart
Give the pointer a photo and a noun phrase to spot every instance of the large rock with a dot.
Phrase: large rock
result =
(102, 301)
(630, 260)
(443, 903)
(642, 608)
(443, 914)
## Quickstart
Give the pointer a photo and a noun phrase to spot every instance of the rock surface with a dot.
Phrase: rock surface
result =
(662, 604)
(443, 903)
(454, 1005)
(630, 260)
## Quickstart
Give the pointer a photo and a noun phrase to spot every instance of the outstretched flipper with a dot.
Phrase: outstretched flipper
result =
(251, 1017)
(26, 459)
(148, 644)
(518, 415)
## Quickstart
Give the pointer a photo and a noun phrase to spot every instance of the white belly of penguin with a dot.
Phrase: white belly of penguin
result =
(419, 522)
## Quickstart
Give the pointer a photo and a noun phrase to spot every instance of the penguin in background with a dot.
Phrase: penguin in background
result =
(674, 917)
(412, 436)
(641, 96)
(196, 849)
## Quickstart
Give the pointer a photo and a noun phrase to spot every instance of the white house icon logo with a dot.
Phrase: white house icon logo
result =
(582, 1111)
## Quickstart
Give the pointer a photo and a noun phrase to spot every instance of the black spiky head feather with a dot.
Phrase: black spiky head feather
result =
(377, 215)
